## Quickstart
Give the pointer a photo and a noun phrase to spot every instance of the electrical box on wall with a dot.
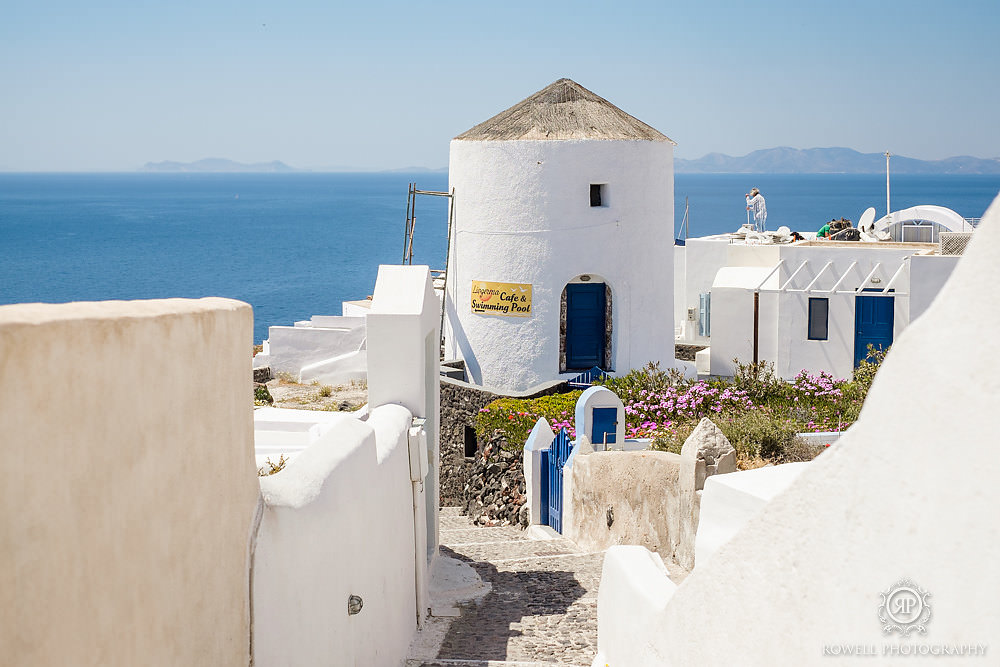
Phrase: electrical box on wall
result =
(417, 440)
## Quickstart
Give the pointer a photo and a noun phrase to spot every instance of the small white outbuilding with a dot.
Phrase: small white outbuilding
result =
(562, 244)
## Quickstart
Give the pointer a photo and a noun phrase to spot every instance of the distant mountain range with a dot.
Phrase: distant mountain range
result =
(784, 160)
(218, 165)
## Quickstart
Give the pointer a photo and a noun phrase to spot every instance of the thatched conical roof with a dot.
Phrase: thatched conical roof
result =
(563, 110)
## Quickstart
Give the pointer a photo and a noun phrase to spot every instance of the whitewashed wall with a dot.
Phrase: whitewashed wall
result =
(328, 349)
(404, 345)
(344, 517)
(129, 489)
(835, 355)
(783, 321)
(703, 257)
(926, 276)
(920, 486)
(338, 521)
(680, 280)
(732, 318)
(523, 215)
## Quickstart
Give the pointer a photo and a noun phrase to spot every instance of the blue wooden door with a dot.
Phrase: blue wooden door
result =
(605, 425)
(558, 454)
(585, 325)
(873, 320)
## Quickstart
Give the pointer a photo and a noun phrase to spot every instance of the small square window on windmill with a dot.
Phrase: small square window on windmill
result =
(597, 194)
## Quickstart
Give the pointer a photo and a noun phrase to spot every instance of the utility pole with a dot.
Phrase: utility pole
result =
(887, 156)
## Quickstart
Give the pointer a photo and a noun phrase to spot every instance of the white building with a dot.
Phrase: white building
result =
(561, 251)
(813, 304)
(892, 511)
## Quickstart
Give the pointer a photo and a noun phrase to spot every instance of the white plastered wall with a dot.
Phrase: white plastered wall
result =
(794, 351)
(732, 317)
(906, 493)
(338, 521)
(329, 349)
(404, 362)
(345, 517)
(522, 214)
(783, 320)
(927, 274)
(130, 489)
(703, 257)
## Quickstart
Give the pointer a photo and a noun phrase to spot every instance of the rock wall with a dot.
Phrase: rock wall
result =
(494, 494)
(687, 352)
(460, 403)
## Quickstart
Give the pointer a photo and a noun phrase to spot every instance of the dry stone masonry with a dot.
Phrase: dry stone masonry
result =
(494, 494)
(460, 404)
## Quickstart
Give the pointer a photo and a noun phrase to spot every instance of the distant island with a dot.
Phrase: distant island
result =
(218, 166)
(784, 160)
(781, 160)
(215, 165)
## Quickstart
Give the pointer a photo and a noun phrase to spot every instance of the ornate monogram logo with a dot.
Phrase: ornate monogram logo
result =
(904, 609)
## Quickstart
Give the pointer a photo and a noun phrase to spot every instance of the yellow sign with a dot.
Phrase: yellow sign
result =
(505, 299)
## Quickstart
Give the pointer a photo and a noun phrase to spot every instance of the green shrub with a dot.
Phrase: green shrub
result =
(759, 412)
(649, 378)
(672, 439)
(756, 433)
(758, 381)
(261, 395)
(513, 418)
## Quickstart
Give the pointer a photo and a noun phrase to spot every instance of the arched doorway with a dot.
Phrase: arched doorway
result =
(585, 326)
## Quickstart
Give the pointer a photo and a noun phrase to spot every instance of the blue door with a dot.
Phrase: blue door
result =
(585, 325)
(605, 425)
(873, 319)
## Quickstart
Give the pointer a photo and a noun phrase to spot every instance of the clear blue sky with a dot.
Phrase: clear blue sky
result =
(112, 85)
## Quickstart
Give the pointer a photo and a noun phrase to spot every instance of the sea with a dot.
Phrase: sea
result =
(295, 245)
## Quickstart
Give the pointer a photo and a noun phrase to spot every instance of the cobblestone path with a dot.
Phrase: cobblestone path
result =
(542, 609)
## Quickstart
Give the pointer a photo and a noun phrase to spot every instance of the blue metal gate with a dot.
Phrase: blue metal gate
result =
(873, 320)
(559, 451)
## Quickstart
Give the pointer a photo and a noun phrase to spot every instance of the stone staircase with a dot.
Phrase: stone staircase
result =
(541, 609)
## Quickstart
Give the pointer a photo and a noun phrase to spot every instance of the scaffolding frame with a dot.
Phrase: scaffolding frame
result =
(410, 229)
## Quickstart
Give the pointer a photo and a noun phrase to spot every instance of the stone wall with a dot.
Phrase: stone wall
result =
(494, 494)
(687, 352)
(460, 403)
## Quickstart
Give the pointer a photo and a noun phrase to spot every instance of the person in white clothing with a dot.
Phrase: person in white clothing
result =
(755, 203)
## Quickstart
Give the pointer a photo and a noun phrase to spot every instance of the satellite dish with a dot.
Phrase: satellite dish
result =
(867, 218)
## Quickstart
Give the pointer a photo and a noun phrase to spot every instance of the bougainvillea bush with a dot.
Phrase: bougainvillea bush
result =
(759, 412)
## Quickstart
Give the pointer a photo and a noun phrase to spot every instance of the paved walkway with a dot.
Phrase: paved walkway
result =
(542, 609)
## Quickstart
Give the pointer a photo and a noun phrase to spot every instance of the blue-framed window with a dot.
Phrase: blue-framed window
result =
(819, 319)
